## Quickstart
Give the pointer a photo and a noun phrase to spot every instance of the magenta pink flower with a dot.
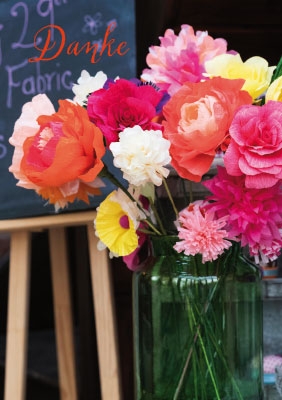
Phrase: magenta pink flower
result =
(133, 260)
(201, 233)
(254, 215)
(180, 58)
(124, 104)
(255, 148)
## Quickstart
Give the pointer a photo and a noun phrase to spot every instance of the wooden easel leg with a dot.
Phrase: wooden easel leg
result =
(63, 314)
(106, 331)
(18, 312)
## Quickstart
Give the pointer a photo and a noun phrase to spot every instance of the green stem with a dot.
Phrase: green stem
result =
(196, 336)
(152, 226)
(223, 360)
(206, 359)
(170, 198)
(191, 192)
(202, 314)
(157, 217)
(105, 173)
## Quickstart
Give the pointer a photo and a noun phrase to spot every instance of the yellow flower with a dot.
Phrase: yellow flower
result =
(274, 92)
(115, 227)
(255, 71)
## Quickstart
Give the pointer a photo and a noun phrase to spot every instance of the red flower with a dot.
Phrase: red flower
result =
(124, 104)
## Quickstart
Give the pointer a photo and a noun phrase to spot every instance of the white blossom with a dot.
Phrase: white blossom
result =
(87, 84)
(141, 155)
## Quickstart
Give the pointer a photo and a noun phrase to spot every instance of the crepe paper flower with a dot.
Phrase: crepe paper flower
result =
(122, 104)
(116, 223)
(255, 71)
(254, 215)
(141, 155)
(133, 260)
(255, 148)
(197, 120)
(181, 58)
(27, 126)
(61, 157)
(87, 84)
(201, 233)
(274, 92)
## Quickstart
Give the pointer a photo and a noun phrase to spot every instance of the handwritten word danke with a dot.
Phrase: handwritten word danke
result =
(49, 50)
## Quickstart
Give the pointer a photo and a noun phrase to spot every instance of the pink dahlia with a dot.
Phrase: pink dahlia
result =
(201, 233)
(254, 215)
(181, 58)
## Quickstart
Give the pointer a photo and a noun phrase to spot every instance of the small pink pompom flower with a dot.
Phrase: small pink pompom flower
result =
(201, 233)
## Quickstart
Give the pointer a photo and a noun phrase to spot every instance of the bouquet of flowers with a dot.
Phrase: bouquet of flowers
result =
(195, 101)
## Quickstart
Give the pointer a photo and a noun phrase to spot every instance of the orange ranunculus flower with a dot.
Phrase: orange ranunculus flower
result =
(197, 120)
(61, 160)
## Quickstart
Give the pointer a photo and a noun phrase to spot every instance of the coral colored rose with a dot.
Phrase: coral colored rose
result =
(274, 92)
(124, 104)
(61, 159)
(255, 71)
(255, 149)
(197, 120)
(180, 58)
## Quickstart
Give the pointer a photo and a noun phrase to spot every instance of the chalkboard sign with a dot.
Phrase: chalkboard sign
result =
(43, 50)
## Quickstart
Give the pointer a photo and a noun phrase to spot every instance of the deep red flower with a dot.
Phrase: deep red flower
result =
(124, 104)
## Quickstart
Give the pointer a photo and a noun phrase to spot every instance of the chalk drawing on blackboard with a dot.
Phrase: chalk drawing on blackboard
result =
(92, 23)
(20, 79)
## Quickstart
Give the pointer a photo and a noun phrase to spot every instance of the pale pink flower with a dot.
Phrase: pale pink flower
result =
(255, 149)
(254, 215)
(180, 58)
(201, 233)
(25, 126)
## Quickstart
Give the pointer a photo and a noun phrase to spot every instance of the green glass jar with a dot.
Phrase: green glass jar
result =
(197, 327)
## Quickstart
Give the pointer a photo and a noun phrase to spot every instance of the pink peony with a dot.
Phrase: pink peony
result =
(255, 149)
(254, 215)
(181, 58)
(201, 233)
(124, 104)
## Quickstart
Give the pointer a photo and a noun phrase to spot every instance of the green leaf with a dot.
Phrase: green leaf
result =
(277, 71)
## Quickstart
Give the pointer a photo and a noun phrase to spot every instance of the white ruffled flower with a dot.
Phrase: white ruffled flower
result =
(141, 155)
(87, 84)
